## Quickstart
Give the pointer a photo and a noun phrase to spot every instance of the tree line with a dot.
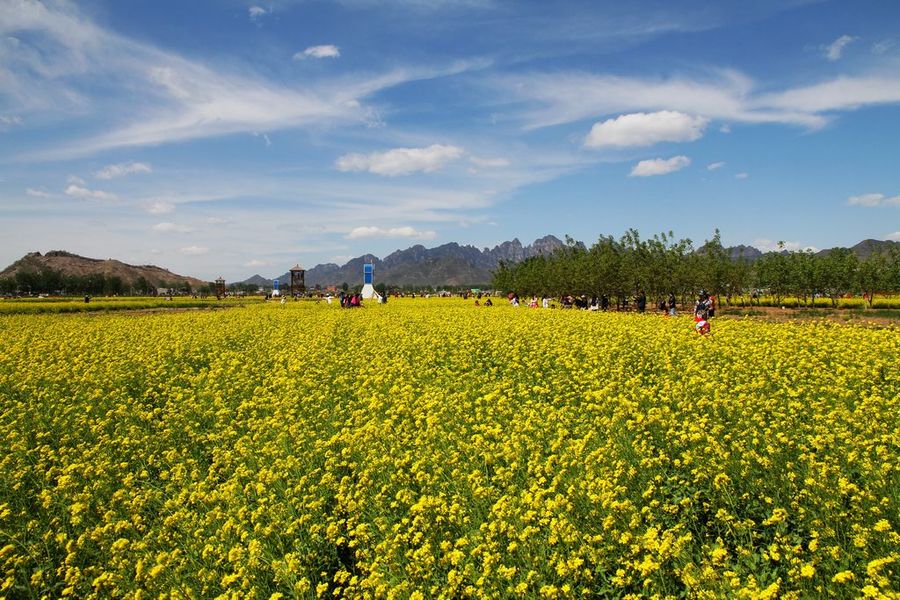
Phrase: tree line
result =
(662, 265)
(51, 281)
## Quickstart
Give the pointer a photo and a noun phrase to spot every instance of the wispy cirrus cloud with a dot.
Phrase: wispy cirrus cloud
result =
(557, 98)
(122, 169)
(873, 199)
(882, 46)
(548, 99)
(169, 227)
(38, 193)
(659, 166)
(7, 121)
(392, 232)
(835, 49)
(159, 207)
(258, 12)
(163, 97)
(401, 161)
(492, 163)
(646, 129)
(77, 191)
(324, 51)
(713, 166)
(193, 250)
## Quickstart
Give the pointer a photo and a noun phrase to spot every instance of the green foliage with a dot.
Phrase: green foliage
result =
(663, 264)
(51, 281)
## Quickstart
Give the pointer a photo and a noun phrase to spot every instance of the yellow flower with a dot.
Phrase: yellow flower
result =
(843, 577)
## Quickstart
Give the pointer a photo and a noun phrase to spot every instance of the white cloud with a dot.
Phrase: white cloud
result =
(256, 263)
(489, 162)
(326, 51)
(883, 46)
(257, 12)
(76, 191)
(835, 49)
(217, 220)
(167, 97)
(400, 161)
(645, 129)
(726, 128)
(38, 193)
(122, 169)
(741, 175)
(873, 200)
(715, 165)
(393, 232)
(168, 227)
(843, 93)
(7, 121)
(725, 95)
(194, 250)
(894, 237)
(659, 166)
(75, 179)
(556, 98)
(767, 245)
(159, 207)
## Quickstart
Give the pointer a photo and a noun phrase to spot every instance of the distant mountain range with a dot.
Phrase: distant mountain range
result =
(863, 249)
(453, 264)
(449, 264)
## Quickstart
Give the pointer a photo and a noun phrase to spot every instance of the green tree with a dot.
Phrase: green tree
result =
(838, 273)
(804, 267)
(27, 281)
(874, 275)
(773, 273)
(715, 266)
(142, 286)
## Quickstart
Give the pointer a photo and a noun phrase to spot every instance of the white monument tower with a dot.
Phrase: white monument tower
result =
(368, 291)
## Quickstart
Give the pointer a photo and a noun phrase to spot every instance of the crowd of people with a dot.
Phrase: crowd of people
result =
(350, 300)
(704, 309)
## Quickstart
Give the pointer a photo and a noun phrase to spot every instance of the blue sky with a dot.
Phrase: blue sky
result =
(230, 138)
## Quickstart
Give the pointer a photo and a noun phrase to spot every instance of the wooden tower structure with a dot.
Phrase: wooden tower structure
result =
(220, 287)
(298, 280)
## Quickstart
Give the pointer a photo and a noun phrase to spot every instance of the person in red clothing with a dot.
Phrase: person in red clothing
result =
(701, 324)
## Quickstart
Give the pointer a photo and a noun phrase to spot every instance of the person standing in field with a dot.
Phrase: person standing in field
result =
(702, 307)
(701, 325)
(641, 302)
(671, 304)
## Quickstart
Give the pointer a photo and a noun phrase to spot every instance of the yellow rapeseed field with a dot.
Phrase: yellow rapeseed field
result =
(430, 448)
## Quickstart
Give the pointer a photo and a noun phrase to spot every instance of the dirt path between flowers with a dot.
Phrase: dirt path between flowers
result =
(845, 316)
